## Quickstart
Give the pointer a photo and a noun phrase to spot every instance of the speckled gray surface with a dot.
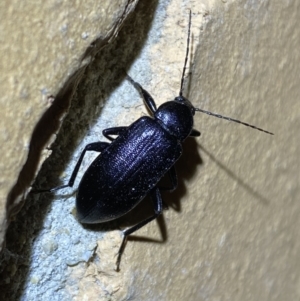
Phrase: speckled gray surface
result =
(62, 242)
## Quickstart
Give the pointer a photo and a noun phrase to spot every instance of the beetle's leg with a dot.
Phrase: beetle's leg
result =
(158, 207)
(96, 146)
(174, 182)
(173, 178)
(146, 96)
(194, 133)
(113, 131)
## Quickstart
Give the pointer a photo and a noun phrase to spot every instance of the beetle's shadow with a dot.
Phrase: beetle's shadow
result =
(105, 73)
(185, 167)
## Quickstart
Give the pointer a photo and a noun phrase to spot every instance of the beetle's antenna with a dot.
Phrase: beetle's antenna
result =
(187, 54)
(234, 120)
(203, 111)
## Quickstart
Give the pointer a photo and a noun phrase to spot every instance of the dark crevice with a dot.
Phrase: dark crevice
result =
(82, 96)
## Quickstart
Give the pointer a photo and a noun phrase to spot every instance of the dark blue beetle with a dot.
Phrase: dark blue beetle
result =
(129, 168)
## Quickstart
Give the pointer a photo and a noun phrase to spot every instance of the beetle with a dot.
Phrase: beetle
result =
(130, 167)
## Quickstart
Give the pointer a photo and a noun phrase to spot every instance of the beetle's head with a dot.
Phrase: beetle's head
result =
(185, 101)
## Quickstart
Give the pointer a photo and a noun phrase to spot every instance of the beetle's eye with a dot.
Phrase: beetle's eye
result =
(180, 99)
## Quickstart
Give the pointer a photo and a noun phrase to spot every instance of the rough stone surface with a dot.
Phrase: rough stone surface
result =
(231, 232)
(235, 234)
(44, 50)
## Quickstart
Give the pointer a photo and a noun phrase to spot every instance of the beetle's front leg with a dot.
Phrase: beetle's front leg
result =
(146, 95)
(158, 207)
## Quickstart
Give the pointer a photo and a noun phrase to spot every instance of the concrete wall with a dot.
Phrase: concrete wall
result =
(231, 232)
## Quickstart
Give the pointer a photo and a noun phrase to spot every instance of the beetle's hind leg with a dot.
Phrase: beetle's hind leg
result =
(116, 131)
(174, 182)
(173, 179)
(96, 146)
(158, 207)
